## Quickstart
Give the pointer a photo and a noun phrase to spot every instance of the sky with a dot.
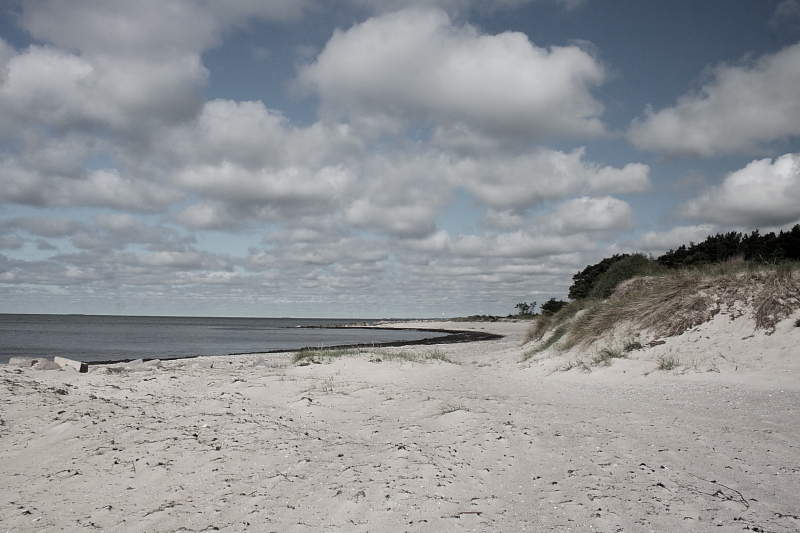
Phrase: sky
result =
(379, 158)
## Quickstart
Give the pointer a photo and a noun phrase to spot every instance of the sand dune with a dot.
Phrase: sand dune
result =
(254, 443)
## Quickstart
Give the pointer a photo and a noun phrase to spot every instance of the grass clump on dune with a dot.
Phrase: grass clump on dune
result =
(327, 355)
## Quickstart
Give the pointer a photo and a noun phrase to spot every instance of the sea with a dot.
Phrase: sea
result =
(103, 338)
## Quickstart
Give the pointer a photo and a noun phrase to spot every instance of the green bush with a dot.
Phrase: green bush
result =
(626, 268)
(584, 281)
(553, 306)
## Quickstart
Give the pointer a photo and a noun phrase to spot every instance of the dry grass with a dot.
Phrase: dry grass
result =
(546, 323)
(668, 305)
(327, 355)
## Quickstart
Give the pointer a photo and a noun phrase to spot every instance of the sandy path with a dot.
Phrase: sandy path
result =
(486, 445)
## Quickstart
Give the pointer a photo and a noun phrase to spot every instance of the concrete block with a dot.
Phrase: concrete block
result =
(23, 361)
(69, 363)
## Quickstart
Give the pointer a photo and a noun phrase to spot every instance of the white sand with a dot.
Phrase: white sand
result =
(491, 444)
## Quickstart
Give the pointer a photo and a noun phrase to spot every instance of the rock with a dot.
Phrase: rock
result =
(44, 364)
(23, 361)
(69, 363)
(137, 365)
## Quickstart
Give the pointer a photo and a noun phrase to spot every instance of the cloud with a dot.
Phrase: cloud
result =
(10, 242)
(106, 112)
(659, 242)
(401, 194)
(47, 227)
(743, 107)
(766, 192)
(787, 15)
(153, 28)
(522, 182)
(455, 6)
(416, 66)
(101, 188)
(45, 86)
(267, 194)
(587, 215)
(519, 245)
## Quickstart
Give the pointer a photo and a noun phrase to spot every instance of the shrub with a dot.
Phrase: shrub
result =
(626, 268)
(584, 281)
(553, 306)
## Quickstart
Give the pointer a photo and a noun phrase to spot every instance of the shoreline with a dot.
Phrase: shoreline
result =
(453, 337)
(368, 443)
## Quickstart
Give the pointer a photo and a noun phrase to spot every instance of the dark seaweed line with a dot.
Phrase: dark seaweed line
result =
(453, 337)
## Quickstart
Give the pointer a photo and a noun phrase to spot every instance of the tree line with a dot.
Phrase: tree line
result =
(600, 280)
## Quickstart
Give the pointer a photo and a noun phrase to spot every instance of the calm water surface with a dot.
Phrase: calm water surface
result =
(93, 338)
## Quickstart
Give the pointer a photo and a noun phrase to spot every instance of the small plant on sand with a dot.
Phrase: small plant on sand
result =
(323, 354)
(606, 356)
(389, 355)
(327, 355)
(668, 362)
(577, 363)
(437, 354)
(451, 408)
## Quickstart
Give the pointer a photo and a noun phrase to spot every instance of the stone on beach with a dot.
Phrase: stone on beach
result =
(44, 364)
(70, 363)
(23, 361)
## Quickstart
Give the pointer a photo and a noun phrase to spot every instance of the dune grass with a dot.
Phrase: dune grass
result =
(327, 355)
(673, 302)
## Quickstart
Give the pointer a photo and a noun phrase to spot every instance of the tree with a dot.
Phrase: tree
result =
(585, 280)
(552, 306)
(525, 308)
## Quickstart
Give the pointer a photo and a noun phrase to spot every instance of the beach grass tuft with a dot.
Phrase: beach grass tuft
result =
(452, 408)
(668, 362)
(327, 355)
(606, 356)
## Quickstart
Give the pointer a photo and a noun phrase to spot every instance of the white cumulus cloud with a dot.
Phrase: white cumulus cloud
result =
(521, 182)
(416, 66)
(741, 108)
(766, 192)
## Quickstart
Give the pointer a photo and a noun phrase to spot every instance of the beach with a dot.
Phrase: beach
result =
(474, 439)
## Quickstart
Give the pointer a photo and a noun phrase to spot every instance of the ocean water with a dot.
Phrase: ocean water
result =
(93, 338)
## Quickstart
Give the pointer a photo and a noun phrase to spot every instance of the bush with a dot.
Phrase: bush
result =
(626, 268)
(584, 281)
(553, 306)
